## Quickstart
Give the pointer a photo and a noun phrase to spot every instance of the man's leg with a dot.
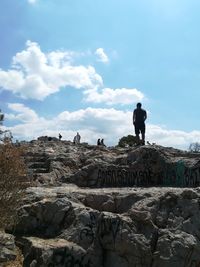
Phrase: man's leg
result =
(143, 138)
(143, 134)
(138, 139)
(137, 133)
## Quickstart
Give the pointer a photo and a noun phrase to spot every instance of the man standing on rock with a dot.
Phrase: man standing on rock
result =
(139, 117)
(77, 139)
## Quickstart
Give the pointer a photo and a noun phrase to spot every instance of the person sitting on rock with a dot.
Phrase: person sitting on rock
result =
(60, 137)
(74, 140)
(98, 142)
(102, 142)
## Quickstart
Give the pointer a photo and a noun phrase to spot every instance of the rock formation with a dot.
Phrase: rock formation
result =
(94, 206)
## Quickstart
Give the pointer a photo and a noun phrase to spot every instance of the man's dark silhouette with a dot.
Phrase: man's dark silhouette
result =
(102, 142)
(60, 136)
(139, 117)
(98, 142)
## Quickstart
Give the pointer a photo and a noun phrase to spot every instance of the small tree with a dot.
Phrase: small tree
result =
(128, 140)
(194, 147)
(13, 180)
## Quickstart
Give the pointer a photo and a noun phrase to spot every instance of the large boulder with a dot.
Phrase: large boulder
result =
(102, 207)
(8, 250)
(53, 252)
(56, 162)
(125, 227)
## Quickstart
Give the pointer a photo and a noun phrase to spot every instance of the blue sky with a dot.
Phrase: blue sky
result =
(82, 65)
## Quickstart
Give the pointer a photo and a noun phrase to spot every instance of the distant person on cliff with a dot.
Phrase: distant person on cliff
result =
(77, 139)
(139, 117)
(60, 137)
(98, 142)
(102, 142)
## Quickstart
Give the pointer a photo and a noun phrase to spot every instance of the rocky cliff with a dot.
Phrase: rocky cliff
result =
(94, 206)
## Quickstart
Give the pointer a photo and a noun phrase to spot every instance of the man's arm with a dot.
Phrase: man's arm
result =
(133, 116)
(145, 115)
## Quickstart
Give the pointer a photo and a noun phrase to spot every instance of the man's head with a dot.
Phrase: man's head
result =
(139, 105)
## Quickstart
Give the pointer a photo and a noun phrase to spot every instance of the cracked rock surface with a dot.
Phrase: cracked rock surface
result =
(125, 227)
(109, 207)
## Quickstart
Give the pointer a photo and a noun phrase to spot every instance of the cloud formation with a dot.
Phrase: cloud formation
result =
(21, 113)
(36, 75)
(32, 1)
(101, 55)
(111, 96)
(92, 123)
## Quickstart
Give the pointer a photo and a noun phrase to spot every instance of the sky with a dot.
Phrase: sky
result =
(70, 66)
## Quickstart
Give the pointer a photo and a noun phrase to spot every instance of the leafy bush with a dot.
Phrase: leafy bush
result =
(13, 181)
(128, 140)
(194, 147)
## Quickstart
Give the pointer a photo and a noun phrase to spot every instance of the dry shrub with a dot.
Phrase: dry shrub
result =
(18, 262)
(13, 181)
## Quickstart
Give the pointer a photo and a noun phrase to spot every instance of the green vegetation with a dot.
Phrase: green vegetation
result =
(194, 147)
(129, 140)
(13, 179)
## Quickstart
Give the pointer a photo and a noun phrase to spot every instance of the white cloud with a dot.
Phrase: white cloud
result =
(173, 138)
(110, 124)
(91, 123)
(11, 80)
(36, 75)
(32, 1)
(101, 55)
(21, 113)
(114, 96)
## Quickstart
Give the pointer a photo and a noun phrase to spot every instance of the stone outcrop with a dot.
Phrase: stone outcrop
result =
(101, 207)
(54, 163)
(101, 227)
(8, 250)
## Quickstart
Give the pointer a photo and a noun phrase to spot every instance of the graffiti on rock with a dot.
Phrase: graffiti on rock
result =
(87, 233)
(66, 258)
(182, 176)
(176, 174)
(109, 225)
(124, 177)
